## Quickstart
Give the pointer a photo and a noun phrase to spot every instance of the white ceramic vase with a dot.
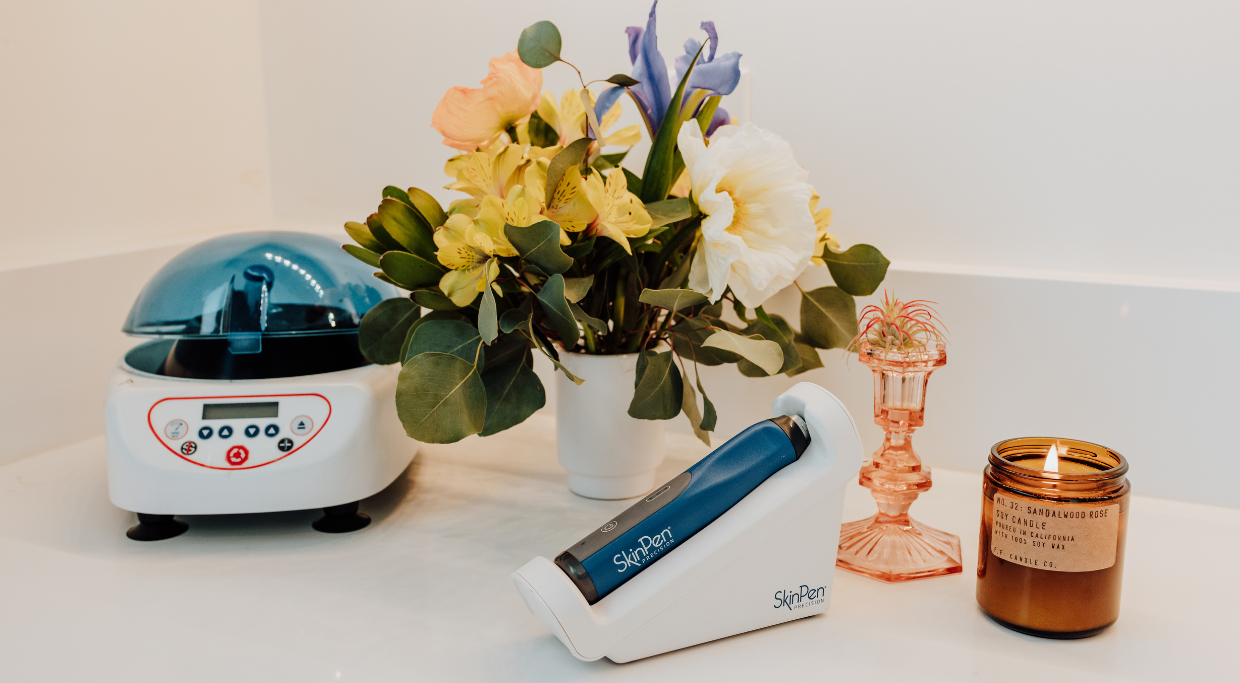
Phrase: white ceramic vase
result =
(608, 454)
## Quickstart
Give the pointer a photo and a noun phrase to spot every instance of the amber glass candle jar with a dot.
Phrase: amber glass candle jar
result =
(1051, 559)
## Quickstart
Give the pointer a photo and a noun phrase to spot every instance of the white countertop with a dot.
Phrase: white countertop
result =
(424, 593)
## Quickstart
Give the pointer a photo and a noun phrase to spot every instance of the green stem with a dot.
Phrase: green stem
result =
(617, 305)
(673, 245)
(637, 337)
(579, 76)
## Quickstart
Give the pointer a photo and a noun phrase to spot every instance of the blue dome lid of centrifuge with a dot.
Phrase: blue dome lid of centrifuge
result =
(253, 285)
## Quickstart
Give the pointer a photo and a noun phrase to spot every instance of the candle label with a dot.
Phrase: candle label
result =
(1058, 538)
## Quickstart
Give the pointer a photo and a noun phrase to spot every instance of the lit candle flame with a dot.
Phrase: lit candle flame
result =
(1052, 460)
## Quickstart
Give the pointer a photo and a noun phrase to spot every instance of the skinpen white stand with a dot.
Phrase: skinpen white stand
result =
(767, 560)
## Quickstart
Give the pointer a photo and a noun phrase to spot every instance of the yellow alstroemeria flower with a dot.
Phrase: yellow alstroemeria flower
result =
(469, 253)
(625, 137)
(621, 214)
(520, 208)
(493, 170)
(569, 120)
(569, 207)
(533, 153)
(824, 239)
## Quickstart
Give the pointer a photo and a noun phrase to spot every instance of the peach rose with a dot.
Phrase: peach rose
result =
(469, 118)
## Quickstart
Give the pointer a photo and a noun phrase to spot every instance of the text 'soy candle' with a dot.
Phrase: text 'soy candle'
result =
(1054, 517)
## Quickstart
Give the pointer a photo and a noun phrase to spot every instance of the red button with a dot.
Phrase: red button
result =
(237, 455)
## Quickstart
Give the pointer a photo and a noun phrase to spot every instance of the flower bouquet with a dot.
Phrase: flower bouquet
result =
(556, 246)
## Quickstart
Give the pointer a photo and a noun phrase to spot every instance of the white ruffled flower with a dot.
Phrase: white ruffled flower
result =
(757, 232)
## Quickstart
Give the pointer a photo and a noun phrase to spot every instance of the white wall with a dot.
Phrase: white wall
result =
(129, 131)
(351, 88)
(127, 121)
(1091, 137)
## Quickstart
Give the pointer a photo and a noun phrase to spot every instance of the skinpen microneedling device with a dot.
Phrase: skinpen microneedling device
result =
(633, 540)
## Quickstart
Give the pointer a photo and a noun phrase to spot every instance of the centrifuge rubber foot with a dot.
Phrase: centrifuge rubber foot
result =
(341, 519)
(156, 528)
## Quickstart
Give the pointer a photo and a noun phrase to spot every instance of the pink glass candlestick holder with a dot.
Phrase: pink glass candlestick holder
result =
(891, 546)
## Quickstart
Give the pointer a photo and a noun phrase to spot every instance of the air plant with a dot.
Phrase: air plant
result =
(900, 326)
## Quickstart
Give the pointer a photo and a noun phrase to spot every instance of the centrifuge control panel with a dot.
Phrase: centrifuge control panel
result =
(238, 432)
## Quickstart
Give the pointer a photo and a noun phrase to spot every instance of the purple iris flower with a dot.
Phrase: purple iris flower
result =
(715, 75)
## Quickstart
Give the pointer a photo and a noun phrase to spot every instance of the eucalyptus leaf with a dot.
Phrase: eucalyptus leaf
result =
(764, 317)
(810, 360)
(776, 329)
(579, 248)
(576, 288)
(361, 234)
(507, 287)
(623, 80)
(383, 328)
(669, 211)
(541, 342)
(517, 318)
(688, 404)
(611, 253)
(761, 352)
(488, 321)
(429, 317)
(531, 269)
(568, 158)
(447, 336)
(828, 317)
(678, 276)
(539, 45)
(672, 299)
(407, 227)
(739, 309)
(658, 388)
(709, 416)
(540, 244)
(559, 315)
(433, 299)
(506, 348)
(859, 270)
(688, 337)
(410, 270)
(428, 207)
(440, 398)
(588, 320)
(513, 391)
(573, 378)
(366, 256)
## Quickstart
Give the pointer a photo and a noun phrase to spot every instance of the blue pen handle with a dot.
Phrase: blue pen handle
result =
(639, 536)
